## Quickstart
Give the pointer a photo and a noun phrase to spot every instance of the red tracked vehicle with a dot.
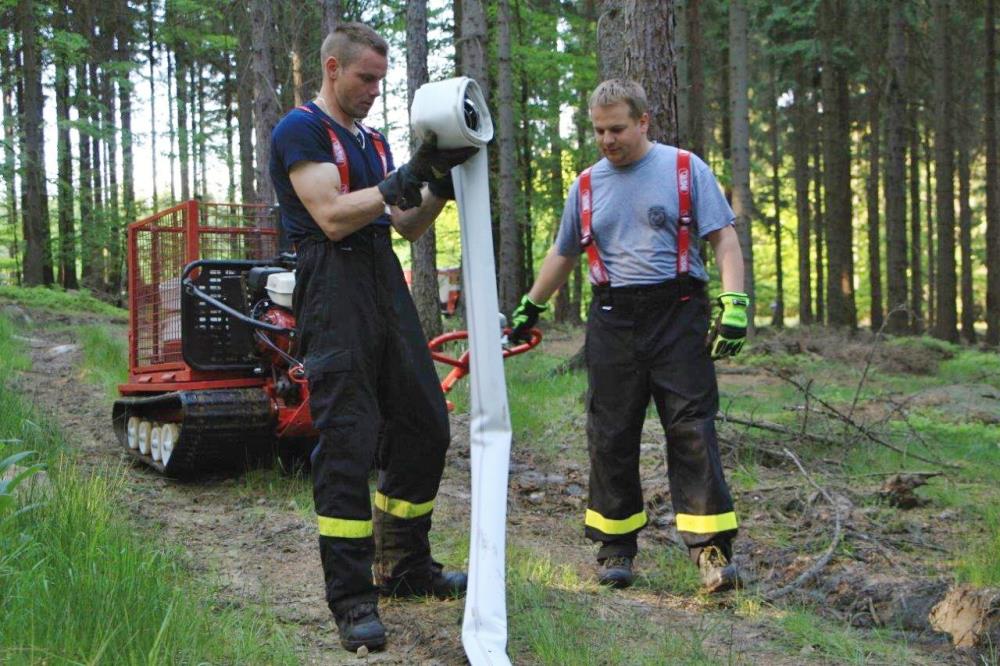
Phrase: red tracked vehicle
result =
(213, 379)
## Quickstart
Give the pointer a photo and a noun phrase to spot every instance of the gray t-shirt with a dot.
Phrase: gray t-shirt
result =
(634, 218)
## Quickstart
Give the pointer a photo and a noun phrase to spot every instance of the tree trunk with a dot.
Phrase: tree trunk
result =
(112, 245)
(648, 59)
(228, 85)
(244, 108)
(841, 308)
(801, 134)
(265, 95)
(819, 220)
(64, 183)
(992, 184)
(423, 253)
(151, 57)
(739, 66)
(778, 316)
(895, 175)
(932, 282)
(562, 310)
(965, 245)
(510, 232)
(194, 135)
(473, 43)
(97, 176)
(611, 36)
(88, 230)
(526, 163)
(183, 137)
(696, 79)
(201, 136)
(946, 324)
(35, 203)
(125, 91)
(9, 171)
(682, 67)
(171, 127)
(917, 324)
(872, 192)
(331, 14)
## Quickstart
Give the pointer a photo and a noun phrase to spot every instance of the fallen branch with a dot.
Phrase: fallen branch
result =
(818, 565)
(836, 413)
(780, 429)
(871, 356)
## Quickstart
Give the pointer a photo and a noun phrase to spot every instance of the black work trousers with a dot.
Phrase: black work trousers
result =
(376, 401)
(650, 342)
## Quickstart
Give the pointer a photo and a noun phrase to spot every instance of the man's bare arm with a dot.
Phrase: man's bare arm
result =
(728, 257)
(553, 274)
(317, 185)
(413, 222)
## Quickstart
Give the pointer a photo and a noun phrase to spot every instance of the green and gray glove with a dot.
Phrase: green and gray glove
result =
(524, 318)
(730, 329)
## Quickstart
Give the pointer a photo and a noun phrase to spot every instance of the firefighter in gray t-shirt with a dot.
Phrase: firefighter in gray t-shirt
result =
(639, 214)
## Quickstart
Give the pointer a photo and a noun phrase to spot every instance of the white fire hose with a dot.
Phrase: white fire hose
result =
(455, 110)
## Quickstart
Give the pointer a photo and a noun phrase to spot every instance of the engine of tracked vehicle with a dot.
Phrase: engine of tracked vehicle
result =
(243, 391)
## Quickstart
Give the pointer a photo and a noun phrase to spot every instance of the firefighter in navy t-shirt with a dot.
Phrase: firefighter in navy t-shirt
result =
(365, 355)
(639, 213)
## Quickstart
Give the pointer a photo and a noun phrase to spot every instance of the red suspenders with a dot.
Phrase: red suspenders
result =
(598, 273)
(340, 155)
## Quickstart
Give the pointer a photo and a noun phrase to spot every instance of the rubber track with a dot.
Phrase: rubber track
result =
(219, 430)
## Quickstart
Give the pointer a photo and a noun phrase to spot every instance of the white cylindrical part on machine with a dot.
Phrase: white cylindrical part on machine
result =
(455, 111)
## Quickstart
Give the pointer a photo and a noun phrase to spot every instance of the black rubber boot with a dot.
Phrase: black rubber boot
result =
(436, 583)
(616, 572)
(360, 625)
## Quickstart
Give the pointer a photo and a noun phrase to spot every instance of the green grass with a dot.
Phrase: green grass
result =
(79, 583)
(54, 298)
(668, 570)
(553, 621)
(978, 563)
(818, 640)
(546, 404)
(105, 358)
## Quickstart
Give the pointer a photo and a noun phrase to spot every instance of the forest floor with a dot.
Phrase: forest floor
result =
(254, 534)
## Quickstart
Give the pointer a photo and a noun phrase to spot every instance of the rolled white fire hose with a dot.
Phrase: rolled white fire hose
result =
(455, 110)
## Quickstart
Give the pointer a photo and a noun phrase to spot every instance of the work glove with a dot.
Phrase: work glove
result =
(524, 318)
(730, 329)
(430, 163)
(401, 188)
(442, 188)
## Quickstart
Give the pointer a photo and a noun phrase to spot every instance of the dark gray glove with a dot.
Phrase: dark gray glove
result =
(430, 163)
(443, 187)
(402, 188)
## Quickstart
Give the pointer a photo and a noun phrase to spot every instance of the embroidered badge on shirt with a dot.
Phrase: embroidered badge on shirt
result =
(658, 217)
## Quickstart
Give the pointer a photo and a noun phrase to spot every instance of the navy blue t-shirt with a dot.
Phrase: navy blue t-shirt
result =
(302, 136)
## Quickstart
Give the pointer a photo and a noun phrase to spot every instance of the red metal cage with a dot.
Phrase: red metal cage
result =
(159, 247)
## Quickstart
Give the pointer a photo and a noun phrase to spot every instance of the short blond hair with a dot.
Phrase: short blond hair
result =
(614, 91)
(348, 40)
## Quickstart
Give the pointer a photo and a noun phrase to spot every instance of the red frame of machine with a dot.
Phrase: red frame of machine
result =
(172, 375)
(165, 371)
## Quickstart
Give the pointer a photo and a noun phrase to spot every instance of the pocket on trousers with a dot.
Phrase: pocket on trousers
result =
(331, 388)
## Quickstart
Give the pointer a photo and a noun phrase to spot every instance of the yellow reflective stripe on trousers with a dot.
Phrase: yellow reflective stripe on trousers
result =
(706, 524)
(612, 526)
(344, 528)
(402, 508)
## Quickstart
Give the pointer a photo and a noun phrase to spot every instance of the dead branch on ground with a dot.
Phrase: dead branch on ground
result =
(821, 562)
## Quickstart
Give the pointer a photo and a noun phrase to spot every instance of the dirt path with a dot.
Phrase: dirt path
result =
(261, 549)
